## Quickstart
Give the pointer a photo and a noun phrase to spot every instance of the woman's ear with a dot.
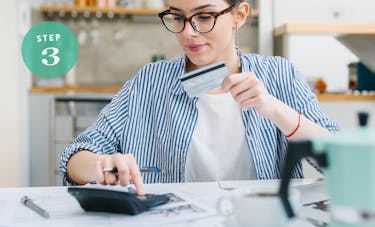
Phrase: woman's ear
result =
(241, 14)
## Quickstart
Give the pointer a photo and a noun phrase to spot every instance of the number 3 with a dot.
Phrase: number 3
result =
(56, 59)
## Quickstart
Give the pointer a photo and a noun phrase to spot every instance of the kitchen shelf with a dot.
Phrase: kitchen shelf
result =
(114, 89)
(333, 28)
(117, 10)
(341, 97)
(76, 89)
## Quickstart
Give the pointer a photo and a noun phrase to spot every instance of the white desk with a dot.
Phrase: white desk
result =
(64, 210)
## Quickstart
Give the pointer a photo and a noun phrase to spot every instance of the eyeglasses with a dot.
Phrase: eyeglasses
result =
(200, 22)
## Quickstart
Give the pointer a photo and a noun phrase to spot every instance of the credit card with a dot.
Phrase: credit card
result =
(205, 79)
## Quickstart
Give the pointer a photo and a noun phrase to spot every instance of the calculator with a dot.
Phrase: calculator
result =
(115, 201)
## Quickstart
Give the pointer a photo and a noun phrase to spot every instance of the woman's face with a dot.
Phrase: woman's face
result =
(205, 48)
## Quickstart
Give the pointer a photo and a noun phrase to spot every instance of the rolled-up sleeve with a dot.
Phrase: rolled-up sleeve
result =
(103, 136)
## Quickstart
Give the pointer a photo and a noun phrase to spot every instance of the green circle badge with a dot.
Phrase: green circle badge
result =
(50, 49)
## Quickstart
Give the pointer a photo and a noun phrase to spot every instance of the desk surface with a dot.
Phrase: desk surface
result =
(64, 210)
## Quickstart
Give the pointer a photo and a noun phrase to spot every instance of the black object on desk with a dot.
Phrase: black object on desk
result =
(104, 200)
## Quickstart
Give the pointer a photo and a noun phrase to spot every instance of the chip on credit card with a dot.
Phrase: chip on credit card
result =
(202, 80)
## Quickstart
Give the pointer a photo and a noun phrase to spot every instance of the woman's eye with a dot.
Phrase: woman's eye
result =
(177, 19)
(204, 17)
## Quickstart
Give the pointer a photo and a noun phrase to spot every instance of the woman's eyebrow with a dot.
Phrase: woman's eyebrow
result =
(195, 9)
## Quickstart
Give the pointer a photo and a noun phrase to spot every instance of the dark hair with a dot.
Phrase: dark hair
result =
(232, 2)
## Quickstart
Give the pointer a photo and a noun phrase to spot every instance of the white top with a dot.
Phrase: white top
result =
(218, 150)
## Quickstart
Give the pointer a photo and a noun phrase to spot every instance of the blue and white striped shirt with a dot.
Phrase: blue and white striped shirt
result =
(154, 119)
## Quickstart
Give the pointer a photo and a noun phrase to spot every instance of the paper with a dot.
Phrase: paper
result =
(314, 202)
(7, 210)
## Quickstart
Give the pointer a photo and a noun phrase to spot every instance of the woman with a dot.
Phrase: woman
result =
(238, 131)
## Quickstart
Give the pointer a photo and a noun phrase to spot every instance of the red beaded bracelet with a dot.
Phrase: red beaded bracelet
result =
(296, 129)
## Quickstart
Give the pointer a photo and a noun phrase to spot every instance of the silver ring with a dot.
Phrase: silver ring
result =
(109, 169)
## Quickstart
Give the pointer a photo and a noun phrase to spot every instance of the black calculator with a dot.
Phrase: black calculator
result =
(114, 201)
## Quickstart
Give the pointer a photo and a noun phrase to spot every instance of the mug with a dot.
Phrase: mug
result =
(260, 208)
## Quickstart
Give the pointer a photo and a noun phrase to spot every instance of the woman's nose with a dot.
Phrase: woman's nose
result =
(189, 29)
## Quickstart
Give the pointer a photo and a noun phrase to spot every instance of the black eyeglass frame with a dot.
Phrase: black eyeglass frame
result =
(214, 14)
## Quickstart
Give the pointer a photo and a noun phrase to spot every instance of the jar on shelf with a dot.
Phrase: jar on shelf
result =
(81, 3)
(68, 3)
(91, 2)
(317, 84)
(154, 4)
(101, 3)
(106, 3)
(320, 85)
(123, 3)
(111, 3)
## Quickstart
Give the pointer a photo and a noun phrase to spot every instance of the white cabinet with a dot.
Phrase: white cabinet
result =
(317, 11)
(345, 112)
(57, 119)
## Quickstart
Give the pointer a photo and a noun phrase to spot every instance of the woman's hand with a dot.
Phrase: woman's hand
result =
(127, 171)
(249, 92)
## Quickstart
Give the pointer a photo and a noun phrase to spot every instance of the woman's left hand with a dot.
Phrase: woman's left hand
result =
(249, 92)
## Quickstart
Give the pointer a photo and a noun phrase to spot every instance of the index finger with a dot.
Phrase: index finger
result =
(232, 80)
(136, 175)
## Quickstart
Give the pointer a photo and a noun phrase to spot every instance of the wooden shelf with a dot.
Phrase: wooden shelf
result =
(334, 28)
(117, 10)
(76, 89)
(344, 97)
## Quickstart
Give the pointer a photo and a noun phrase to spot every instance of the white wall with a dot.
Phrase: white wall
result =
(320, 56)
(9, 96)
(265, 33)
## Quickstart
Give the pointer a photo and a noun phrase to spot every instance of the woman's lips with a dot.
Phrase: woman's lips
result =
(195, 47)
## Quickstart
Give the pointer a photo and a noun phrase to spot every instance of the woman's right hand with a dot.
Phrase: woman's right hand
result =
(127, 171)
